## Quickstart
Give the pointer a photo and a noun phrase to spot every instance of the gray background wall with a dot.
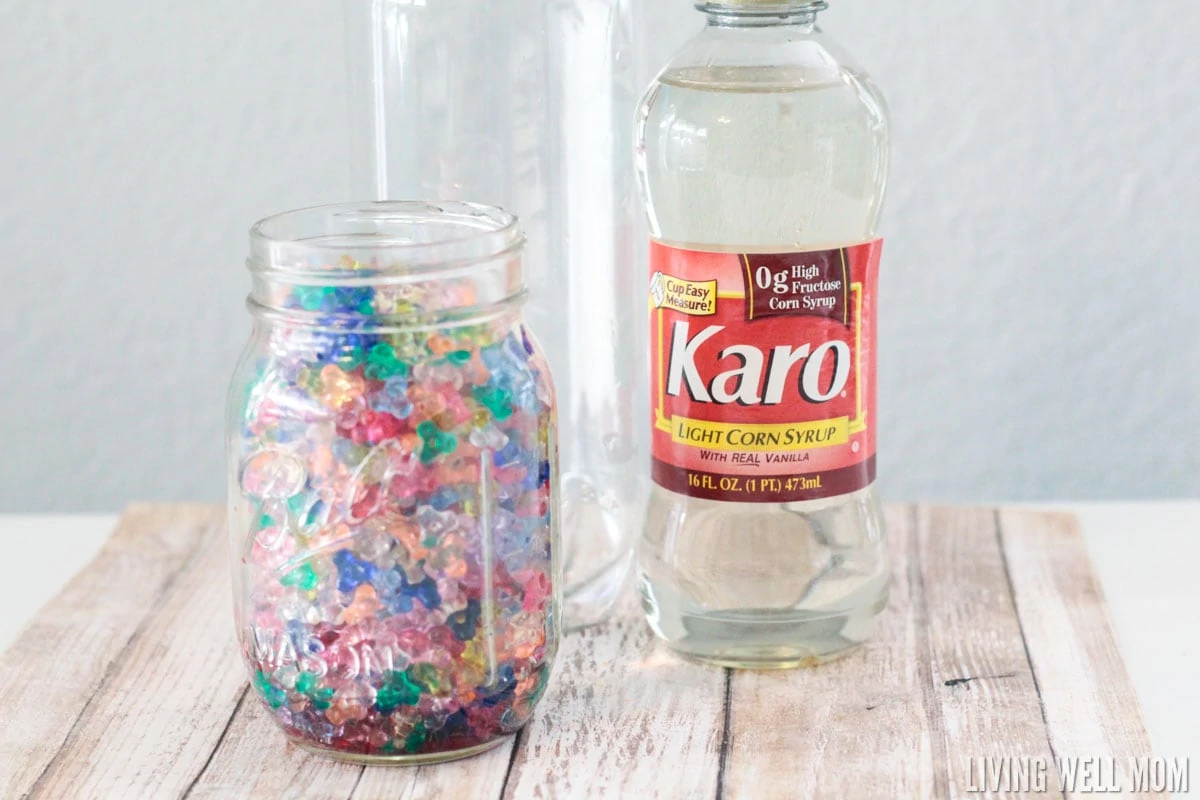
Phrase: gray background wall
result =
(1040, 338)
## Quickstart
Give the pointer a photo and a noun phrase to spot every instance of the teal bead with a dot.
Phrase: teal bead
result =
(398, 690)
(274, 696)
(496, 400)
(302, 577)
(349, 358)
(296, 504)
(322, 699)
(381, 352)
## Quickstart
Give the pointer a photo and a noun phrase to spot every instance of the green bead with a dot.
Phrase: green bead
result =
(310, 300)
(435, 441)
(459, 357)
(398, 690)
(265, 521)
(426, 675)
(303, 577)
(307, 682)
(415, 739)
(322, 699)
(297, 503)
(274, 696)
(365, 307)
(349, 358)
(388, 370)
(382, 351)
(498, 401)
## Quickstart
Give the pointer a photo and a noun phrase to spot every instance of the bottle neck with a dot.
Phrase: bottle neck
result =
(761, 13)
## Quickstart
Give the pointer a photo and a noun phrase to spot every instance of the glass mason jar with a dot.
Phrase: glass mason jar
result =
(393, 482)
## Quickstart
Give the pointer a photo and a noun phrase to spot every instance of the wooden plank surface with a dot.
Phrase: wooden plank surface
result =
(981, 697)
(1088, 705)
(160, 712)
(623, 718)
(63, 657)
(996, 643)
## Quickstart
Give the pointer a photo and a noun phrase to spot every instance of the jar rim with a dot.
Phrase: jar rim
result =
(381, 240)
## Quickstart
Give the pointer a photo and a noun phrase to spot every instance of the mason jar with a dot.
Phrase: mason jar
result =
(393, 482)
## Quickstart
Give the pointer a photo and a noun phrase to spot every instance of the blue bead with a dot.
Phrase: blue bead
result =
(352, 571)
(506, 455)
(463, 623)
(314, 513)
(456, 722)
(506, 682)
(426, 591)
(399, 603)
(388, 580)
(491, 356)
(443, 498)
(297, 632)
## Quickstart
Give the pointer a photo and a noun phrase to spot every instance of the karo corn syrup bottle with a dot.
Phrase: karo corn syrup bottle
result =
(763, 155)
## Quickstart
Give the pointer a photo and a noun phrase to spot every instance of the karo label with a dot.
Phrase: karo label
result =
(763, 372)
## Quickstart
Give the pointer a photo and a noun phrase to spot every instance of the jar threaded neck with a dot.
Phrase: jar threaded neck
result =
(386, 261)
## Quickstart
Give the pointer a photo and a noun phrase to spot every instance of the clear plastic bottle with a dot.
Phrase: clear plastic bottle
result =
(526, 105)
(762, 143)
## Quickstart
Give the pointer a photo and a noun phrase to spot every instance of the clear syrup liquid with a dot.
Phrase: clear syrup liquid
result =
(763, 159)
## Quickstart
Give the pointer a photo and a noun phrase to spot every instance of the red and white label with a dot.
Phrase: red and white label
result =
(763, 372)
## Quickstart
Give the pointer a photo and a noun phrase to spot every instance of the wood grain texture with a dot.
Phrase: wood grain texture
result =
(1089, 707)
(64, 655)
(980, 694)
(996, 643)
(853, 728)
(480, 777)
(167, 698)
(623, 718)
(255, 760)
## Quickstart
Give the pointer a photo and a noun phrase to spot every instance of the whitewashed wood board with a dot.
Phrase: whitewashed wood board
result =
(996, 643)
